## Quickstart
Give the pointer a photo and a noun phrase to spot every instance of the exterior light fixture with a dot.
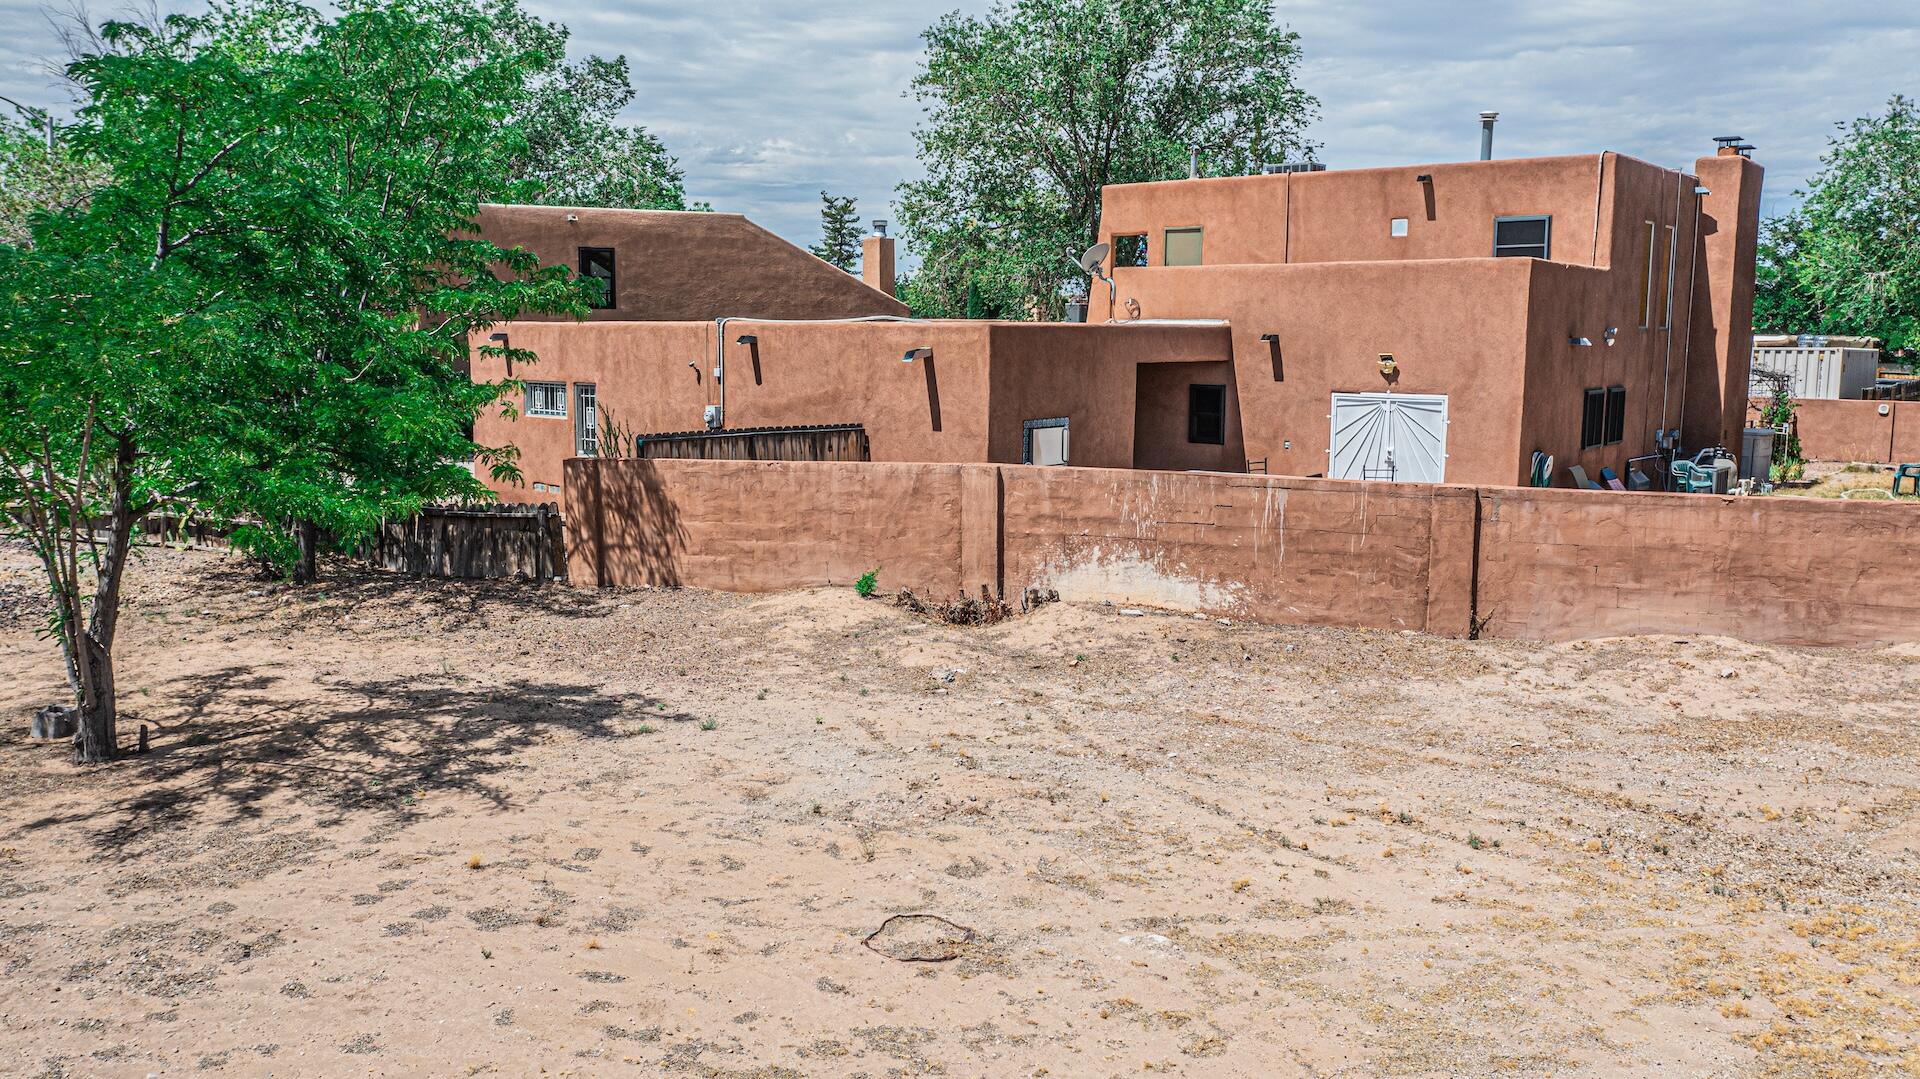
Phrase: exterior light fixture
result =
(1612, 332)
(1581, 342)
(1388, 368)
(746, 339)
(1698, 190)
(912, 354)
(573, 218)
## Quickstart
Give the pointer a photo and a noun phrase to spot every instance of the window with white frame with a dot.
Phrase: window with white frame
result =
(586, 421)
(546, 399)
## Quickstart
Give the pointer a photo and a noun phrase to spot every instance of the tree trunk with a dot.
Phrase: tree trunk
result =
(97, 739)
(306, 568)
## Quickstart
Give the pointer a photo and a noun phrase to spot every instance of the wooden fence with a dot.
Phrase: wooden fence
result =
(475, 542)
(832, 442)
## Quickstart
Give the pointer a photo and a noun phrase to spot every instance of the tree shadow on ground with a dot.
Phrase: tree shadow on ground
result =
(246, 747)
(347, 585)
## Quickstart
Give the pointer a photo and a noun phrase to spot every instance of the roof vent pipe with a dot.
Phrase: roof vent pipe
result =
(1486, 134)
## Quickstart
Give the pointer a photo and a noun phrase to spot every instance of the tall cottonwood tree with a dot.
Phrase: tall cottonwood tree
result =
(261, 309)
(1035, 106)
(1848, 260)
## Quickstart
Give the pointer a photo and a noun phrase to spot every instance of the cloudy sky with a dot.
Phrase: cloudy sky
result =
(766, 102)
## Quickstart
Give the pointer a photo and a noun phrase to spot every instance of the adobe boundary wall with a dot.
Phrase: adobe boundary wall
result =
(1836, 430)
(1450, 560)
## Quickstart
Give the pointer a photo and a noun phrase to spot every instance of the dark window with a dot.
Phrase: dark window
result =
(1593, 420)
(1616, 414)
(1522, 237)
(597, 263)
(1130, 250)
(1207, 414)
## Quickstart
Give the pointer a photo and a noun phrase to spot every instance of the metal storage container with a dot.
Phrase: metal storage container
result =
(1756, 454)
(1815, 372)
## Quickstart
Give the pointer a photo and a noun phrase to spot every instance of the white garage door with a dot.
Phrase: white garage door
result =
(1388, 436)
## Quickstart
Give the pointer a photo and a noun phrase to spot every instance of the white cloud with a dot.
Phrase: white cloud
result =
(767, 103)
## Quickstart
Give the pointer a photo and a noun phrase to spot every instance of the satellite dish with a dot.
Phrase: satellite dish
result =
(1091, 261)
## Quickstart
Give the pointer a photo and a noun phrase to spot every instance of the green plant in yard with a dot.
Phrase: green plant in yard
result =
(709, 724)
(868, 582)
(263, 306)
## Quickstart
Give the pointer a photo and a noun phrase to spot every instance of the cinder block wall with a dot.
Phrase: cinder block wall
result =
(1448, 560)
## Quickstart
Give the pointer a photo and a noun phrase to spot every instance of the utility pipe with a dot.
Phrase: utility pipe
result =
(719, 417)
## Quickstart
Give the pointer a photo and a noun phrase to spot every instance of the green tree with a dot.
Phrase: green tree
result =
(839, 232)
(1848, 260)
(262, 309)
(39, 170)
(577, 152)
(1035, 106)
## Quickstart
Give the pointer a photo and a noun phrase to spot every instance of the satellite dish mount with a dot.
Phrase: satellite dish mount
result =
(1090, 262)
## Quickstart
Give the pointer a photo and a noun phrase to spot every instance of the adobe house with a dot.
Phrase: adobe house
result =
(1116, 396)
(674, 265)
(1445, 322)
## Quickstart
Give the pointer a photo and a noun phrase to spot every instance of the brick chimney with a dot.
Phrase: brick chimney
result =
(876, 259)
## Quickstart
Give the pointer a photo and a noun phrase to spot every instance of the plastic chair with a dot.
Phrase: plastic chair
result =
(1694, 479)
(1910, 474)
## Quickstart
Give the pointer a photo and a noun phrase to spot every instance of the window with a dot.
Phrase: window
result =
(1130, 250)
(586, 421)
(1207, 415)
(597, 263)
(1666, 316)
(1398, 227)
(1603, 419)
(1044, 442)
(1182, 247)
(1522, 237)
(1646, 283)
(546, 399)
(1593, 420)
(1616, 414)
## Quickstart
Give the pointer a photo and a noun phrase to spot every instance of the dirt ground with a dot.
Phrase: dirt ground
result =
(395, 827)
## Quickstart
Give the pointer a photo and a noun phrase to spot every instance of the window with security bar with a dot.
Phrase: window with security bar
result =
(586, 420)
(546, 399)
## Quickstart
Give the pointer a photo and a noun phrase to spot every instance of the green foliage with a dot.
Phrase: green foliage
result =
(839, 232)
(1848, 260)
(868, 581)
(38, 173)
(263, 307)
(1035, 106)
(577, 153)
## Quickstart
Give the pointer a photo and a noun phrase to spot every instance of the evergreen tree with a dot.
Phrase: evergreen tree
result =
(839, 232)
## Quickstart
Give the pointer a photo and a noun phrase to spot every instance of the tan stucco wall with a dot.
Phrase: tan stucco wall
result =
(966, 404)
(1310, 257)
(677, 266)
(1454, 327)
(1517, 562)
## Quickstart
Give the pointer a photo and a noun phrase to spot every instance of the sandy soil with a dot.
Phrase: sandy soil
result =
(394, 827)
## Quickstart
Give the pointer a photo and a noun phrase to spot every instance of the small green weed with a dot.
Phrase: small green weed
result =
(709, 723)
(868, 582)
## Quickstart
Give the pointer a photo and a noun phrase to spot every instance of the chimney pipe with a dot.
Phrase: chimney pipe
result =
(1486, 134)
(1193, 163)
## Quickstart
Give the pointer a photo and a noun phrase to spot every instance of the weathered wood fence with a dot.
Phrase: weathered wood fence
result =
(826, 442)
(476, 542)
